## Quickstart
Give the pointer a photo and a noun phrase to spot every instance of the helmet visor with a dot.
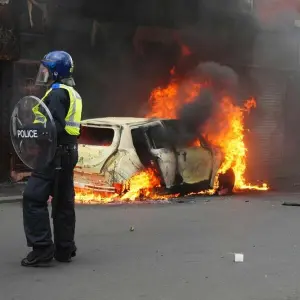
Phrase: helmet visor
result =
(42, 76)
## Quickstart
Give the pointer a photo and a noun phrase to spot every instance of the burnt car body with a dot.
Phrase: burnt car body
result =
(112, 150)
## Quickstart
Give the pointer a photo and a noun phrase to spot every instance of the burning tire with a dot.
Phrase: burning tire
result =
(226, 183)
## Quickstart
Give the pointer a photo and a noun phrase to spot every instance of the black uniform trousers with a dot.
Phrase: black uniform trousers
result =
(35, 207)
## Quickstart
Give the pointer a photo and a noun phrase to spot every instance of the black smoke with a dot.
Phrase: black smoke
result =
(219, 81)
(194, 115)
(113, 77)
(220, 78)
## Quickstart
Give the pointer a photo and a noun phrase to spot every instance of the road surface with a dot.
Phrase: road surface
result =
(176, 252)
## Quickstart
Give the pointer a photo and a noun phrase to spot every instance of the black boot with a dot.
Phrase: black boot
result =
(40, 257)
(65, 255)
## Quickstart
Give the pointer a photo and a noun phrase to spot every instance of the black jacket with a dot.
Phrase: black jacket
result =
(58, 103)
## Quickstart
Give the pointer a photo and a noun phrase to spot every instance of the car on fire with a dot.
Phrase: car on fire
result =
(113, 149)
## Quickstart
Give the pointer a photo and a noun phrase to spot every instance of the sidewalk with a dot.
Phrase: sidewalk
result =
(11, 192)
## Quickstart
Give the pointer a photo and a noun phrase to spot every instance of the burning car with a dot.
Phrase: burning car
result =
(114, 150)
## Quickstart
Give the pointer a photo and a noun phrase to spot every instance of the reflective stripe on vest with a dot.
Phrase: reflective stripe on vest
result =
(73, 117)
(74, 124)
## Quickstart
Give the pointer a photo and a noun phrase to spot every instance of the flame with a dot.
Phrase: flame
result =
(230, 138)
(140, 186)
(225, 130)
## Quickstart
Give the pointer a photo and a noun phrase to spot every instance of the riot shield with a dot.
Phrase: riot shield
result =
(33, 132)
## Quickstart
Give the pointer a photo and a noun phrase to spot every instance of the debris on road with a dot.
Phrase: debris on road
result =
(238, 257)
(131, 228)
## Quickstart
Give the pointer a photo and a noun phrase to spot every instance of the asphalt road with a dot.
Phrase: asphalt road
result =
(176, 252)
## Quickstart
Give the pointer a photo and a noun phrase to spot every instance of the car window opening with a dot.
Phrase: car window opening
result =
(158, 138)
(141, 146)
(180, 137)
(96, 136)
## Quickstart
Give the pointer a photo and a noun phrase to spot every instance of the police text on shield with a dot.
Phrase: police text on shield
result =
(29, 134)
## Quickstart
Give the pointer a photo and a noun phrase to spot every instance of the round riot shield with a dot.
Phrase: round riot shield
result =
(33, 132)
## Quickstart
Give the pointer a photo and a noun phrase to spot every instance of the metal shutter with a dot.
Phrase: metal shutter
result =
(268, 128)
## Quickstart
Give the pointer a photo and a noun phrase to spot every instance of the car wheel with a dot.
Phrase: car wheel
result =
(226, 182)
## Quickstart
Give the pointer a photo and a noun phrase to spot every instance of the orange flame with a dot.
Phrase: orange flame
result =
(225, 129)
(140, 186)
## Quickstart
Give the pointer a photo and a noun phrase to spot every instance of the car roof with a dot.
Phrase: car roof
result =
(118, 121)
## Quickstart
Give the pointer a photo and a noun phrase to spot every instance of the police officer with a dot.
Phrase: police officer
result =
(65, 105)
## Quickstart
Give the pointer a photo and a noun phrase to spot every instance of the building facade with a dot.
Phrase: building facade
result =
(122, 51)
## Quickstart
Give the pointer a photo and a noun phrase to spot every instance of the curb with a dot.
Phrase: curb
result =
(11, 199)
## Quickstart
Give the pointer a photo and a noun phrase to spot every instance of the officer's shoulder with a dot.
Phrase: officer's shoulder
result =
(59, 92)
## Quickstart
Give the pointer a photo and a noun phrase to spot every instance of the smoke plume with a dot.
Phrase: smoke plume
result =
(194, 115)
(219, 81)
(220, 78)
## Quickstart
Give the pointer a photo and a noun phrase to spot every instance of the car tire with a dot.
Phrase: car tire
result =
(226, 182)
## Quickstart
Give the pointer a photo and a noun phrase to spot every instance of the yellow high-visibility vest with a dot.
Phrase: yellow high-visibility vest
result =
(73, 117)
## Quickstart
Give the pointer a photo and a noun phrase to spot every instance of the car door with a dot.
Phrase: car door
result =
(195, 162)
(162, 151)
